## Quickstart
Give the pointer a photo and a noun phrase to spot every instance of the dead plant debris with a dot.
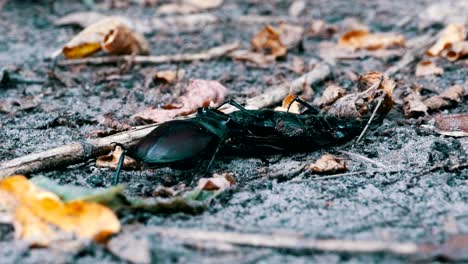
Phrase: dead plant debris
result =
(427, 67)
(328, 164)
(112, 35)
(199, 93)
(363, 39)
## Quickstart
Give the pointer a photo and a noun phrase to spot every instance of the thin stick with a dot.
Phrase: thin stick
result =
(364, 158)
(370, 119)
(210, 54)
(291, 242)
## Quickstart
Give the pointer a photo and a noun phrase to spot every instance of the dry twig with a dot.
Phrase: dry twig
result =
(209, 54)
(280, 241)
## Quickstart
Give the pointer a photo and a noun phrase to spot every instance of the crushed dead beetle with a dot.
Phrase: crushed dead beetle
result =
(183, 144)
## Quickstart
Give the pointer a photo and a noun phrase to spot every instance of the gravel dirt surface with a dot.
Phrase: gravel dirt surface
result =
(400, 202)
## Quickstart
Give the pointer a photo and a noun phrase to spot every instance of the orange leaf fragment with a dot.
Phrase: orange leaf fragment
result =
(41, 218)
(451, 34)
(217, 182)
(363, 39)
(328, 164)
(112, 159)
(289, 105)
(268, 41)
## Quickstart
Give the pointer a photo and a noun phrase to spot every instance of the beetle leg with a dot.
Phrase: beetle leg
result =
(116, 177)
(311, 108)
(238, 106)
(213, 157)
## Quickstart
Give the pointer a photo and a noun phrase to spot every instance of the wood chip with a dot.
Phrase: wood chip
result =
(427, 67)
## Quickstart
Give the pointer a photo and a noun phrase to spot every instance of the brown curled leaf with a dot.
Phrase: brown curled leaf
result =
(199, 93)
(361, 104)
(111, 34)
(268, 42)
(111, 160)
(328, 164)
(412, 103)
(330, 95)
(456, 51)
(363, 39)
(217, 182)
(448, 98)
(453, 33)
(427, 67)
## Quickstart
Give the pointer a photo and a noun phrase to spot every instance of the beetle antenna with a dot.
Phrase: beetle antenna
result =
(116, 177)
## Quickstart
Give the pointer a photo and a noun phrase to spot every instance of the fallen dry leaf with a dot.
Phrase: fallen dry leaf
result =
(451, 34)
(452, 123)
(296, 8)
(288, 103)
(363, 39)
(328, 164)
(268, 42)
(376, 86)
(319, 28)
(297, 65)
(330, 95)
(169, 76)
(456, 51)
(12, 106)
(217, 182)
(412, 103)
(290, 35)
(188, 6)
(199, 93)
(111, 34)
(427, 67)
(112, 159)
(447, 98)
(41, 218)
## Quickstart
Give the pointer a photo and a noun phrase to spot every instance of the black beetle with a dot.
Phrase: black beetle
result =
(182, 144)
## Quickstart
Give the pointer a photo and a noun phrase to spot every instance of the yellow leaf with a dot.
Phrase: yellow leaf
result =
(40, 217)
(111, 35)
